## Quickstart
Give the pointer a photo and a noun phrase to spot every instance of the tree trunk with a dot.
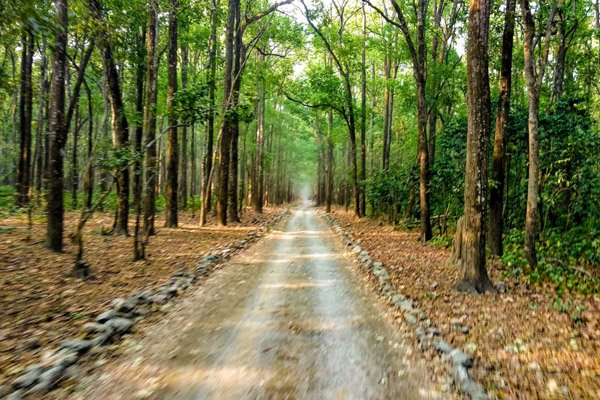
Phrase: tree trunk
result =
(474, 276)
(225, 145)
(329, 163)
(183, 156)
(172, 147)
(74, 162)
(119, 120)
(425, 220)
(23, 183)
(210, 123)
(138, 242)
(235, 123)
(387, 114)
(88, 186)
(257, 198)
(150, 119)
(58, 134)
(42, 120)
(363, 117)
(500, 139)
(534, 81)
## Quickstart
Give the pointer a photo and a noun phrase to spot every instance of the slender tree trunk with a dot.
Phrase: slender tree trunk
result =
(387, 113)
(74, 162)
(534, 81)
(363, 118)
(500, 139)
(183, 156)
(226, 129)
(257, 198)
(210, 123)
(329, 163)
(425, 220)
(25, 116)
(235, 123)
(172, 146)
(58, 134)
(42, 120)
(88, 187)
(138, 242)
(473, 268)
(119, 120)
(150, 119)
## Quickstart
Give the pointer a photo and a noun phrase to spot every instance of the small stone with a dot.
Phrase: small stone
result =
(410, 319)
(93, 327)
(442, 346)
(434, 285)
(160, 298)
(405, 305)
(49, 379)
(124, 305)
(80, 346)
(29, 378)
(32, 343)
(64, 358)
(501, 286)
(17, 395)
(458, 357)
(105, 316)
(120, 325)
(397, 298)
(434, 331)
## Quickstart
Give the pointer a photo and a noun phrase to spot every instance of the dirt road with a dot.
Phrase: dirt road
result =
(289, 318)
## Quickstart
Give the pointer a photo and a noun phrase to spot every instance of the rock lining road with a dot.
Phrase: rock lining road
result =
(289, 318)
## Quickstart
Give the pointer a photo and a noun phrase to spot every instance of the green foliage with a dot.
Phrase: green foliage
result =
(567, 260)
(386, 192)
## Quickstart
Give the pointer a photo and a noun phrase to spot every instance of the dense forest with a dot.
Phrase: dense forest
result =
(414, 113)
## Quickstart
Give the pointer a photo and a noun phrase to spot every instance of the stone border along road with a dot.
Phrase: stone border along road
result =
(57, 364)
(428, 335)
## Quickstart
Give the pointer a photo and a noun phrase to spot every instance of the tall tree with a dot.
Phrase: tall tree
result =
(418, 53)
(500, 139)
(211, 69)
(473, 269)
(347, 110)
(172, 147)
(363, 115)
(120, 128)
(58, 132)
(23, 183)
(536, 47)
(150, 118)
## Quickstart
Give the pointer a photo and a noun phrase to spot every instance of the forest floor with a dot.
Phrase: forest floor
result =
(528, 343)
(41, 305)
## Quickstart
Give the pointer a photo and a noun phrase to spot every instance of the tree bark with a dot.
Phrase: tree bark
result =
(534, 81)
(210, 123)
(363, 117)
(42, 120)
(183, 156)
(172, 147)
(257, 198)
(474, 276)
(225, 145)
(23, 183)
(58, 133)
(496, 228)
(150, 119)
(119, 120)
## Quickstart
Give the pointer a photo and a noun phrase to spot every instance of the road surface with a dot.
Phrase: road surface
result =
(289, 318)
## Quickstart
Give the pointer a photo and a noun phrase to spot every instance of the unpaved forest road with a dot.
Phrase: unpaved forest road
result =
(287, 319)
